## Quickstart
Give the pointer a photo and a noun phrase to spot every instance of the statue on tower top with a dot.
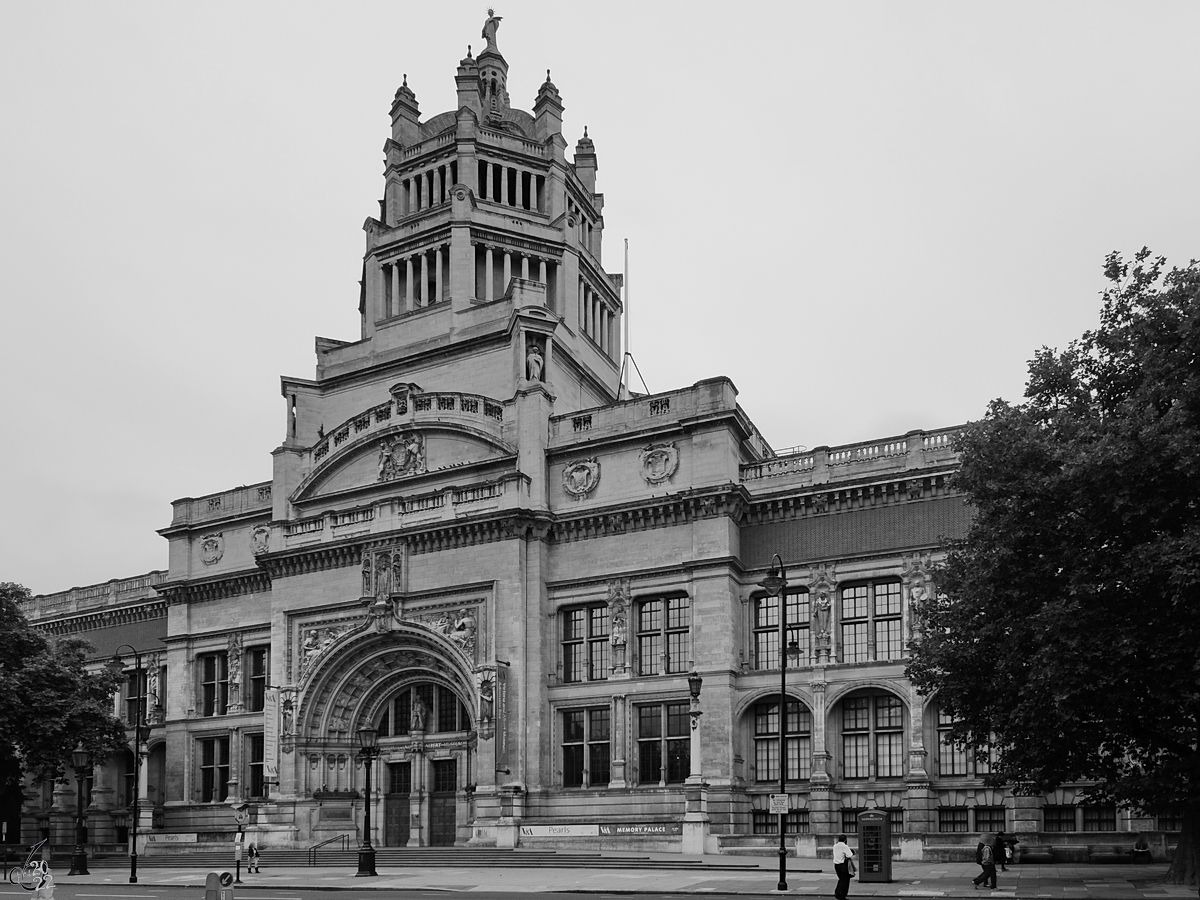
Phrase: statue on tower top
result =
(489, 30)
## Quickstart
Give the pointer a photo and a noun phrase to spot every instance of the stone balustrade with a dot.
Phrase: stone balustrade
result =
(85, 599)
(916, 449)
(245, 499)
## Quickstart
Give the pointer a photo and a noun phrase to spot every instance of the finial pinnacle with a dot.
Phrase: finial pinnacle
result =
(585, 131)
(547, 74)
(405, 80)
(469, 52)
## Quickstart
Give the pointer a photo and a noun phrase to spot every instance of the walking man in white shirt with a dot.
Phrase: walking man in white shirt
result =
(842, 854)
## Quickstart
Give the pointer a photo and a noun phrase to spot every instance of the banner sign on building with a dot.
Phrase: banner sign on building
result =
(560, 831)
(502, 718)
(651, 829)
(155, 837)
(271, 735)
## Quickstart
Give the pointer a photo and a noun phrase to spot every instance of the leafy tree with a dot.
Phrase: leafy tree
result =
(1067, 625)
(50, 702)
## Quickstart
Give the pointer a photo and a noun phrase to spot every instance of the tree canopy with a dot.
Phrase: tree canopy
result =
(1066, 629)
(50, 702)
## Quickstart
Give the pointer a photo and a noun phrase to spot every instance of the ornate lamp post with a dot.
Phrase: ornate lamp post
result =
(775, 584)
(140, 736)
(80, 759)
(694, 683)
(368, 740)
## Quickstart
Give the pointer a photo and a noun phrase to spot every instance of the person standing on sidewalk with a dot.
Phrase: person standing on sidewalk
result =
(842, 854)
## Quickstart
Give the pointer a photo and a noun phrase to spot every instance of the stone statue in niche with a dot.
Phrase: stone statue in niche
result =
(367, 578)
(534, 363)
(152, 699)
(234, 653)
(383, 576)
(821, 614)
(417, 721)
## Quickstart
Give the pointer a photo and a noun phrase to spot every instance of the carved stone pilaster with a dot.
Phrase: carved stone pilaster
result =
(618, 625)
(916, 580)
(233, 650)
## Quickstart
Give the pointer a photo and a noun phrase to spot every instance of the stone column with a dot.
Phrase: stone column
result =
(437, 186)
(489, 274)
(394, 307)
(420, 180)
(487, 181)
(424, 278)
(507, 273)
(820, 802)
(408, 294)
(542, 274)
(525, 266)
(520, 199)
(437, 274)
(619, 745)
(582, 291)
(505, 193)
(145, 812)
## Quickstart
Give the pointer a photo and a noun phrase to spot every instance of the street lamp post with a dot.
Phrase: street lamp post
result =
(368, 739)
(80, 759)
(775, 584)
(116, 666)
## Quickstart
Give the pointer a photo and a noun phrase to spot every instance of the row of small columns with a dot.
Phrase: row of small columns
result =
(392, 293)
(494, 186)
(426, 189)
(595, 318)
(489, 282)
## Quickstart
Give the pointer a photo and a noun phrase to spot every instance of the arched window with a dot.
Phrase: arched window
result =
(797, 738)
(872, 736)
(431, 707)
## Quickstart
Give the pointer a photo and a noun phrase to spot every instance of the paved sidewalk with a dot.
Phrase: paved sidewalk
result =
(950, 880)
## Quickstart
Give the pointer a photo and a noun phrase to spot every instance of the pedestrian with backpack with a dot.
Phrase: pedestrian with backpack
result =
(985, 855)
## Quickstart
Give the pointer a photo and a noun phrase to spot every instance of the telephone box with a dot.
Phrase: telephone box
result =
(874, 846)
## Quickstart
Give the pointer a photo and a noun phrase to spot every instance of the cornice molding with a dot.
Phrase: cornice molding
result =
(217, 588)
(105, 618)
(830, 499)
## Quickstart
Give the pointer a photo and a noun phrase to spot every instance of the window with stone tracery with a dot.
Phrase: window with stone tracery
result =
(585, 643)
(663, 633)
(766, 628)
(870, 621)
(441, 712)
(214, 683)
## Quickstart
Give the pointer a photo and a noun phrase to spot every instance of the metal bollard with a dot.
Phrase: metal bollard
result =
(218, 886)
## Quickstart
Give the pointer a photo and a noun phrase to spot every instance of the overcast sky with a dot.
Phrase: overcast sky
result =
(868, 215)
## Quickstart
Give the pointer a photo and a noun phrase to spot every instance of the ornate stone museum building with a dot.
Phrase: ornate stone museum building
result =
(475, 541)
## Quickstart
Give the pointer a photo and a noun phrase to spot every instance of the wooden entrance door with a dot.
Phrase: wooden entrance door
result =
(442, 806)
(396, 805)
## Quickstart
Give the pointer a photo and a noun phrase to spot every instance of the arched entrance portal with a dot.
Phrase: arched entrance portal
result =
(417, 690)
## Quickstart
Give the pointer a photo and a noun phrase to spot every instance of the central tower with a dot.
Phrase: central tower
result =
(483, 271)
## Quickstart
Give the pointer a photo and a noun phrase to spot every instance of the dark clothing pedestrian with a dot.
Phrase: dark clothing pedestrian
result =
(1000, 851)
(985, 856)
(842, 854)
(252, 858)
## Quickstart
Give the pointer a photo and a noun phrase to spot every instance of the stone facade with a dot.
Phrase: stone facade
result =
(477, 542)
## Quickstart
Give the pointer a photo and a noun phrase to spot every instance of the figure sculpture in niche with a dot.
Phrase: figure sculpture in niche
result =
(234, 654)
(417, 721)
(533, 363)
(821, 614)
(366, 575)
(490, 27)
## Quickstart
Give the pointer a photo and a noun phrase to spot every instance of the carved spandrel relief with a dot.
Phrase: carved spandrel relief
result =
(212, 548)
(460, 627)
(659, 462)
(401, 455)
(315, 641)
(581, 477)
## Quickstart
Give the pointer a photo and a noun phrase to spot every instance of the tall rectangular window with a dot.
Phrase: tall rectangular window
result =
(952, 757)
(256, 675)
(766, 628)
(870, 622)
(585, 643)
(663, 630)
(664, 745)
(254, 765)
(585, 747)
(873, 736)
(214, 684)
(214, 769)
(798, 737)
(135, 694)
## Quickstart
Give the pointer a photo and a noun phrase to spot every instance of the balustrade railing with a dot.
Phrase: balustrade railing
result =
(898, 449)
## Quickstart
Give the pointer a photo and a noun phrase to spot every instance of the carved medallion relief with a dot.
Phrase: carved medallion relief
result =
(212, 548)
(581, 477)
(659, 462)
